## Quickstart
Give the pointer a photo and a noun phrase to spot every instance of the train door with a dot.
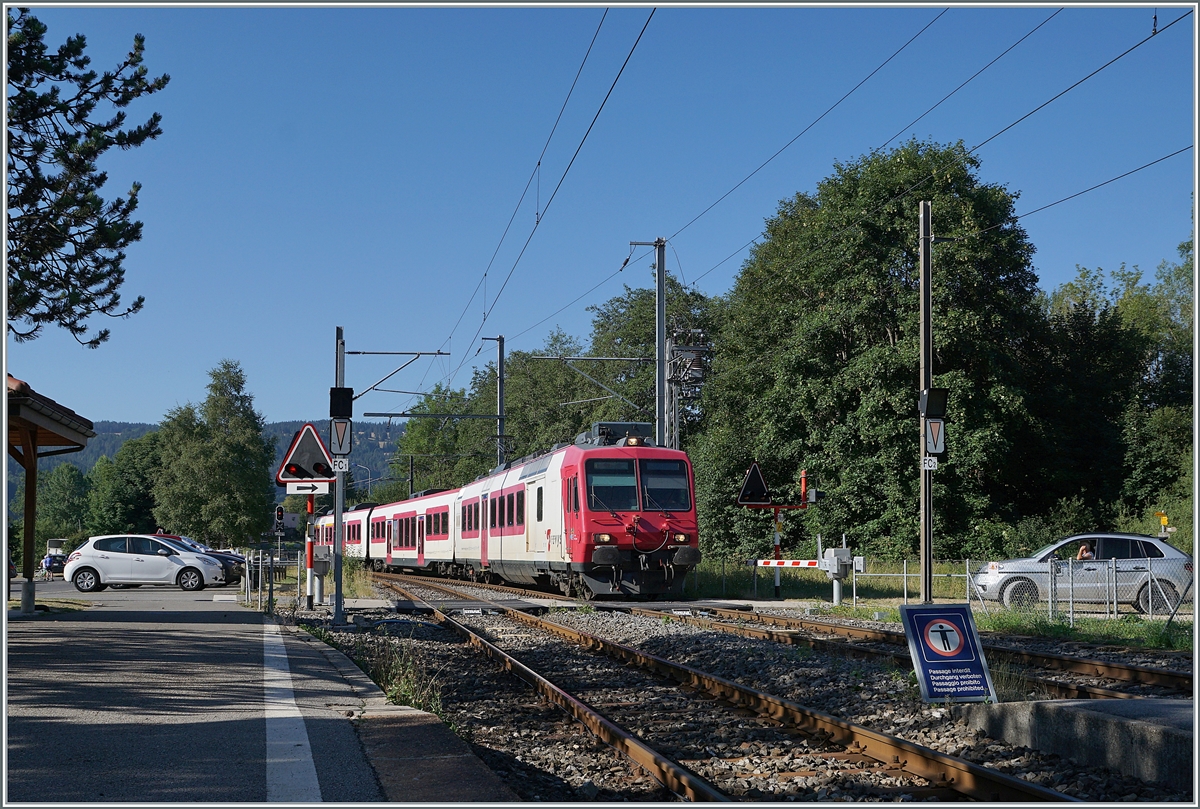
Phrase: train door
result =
(421, 540)
(487, 521)
(393, 537)
(572, 523)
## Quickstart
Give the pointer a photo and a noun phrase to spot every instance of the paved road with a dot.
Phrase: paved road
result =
(156, 695)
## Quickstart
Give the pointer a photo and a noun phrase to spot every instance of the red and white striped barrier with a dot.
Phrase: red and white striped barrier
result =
(787, 563)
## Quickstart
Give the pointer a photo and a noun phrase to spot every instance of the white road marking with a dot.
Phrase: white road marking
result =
(291, 774)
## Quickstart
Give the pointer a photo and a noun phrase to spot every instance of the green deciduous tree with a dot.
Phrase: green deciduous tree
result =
(65, 243)
(215, 482)
(816, 366)
(121, 495)
(62, 503)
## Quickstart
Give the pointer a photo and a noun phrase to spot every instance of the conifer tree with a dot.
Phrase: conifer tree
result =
(65, 243)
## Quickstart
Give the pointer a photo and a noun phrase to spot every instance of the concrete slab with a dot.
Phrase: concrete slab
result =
(416, 758)
(1150, 739)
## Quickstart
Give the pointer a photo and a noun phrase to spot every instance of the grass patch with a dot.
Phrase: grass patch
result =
(403, 672)
(1128, 630)
(53, 605)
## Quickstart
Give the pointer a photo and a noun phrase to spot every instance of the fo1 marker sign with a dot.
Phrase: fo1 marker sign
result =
(946, 653)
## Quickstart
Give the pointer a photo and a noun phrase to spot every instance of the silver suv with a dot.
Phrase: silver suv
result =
(1135, 569)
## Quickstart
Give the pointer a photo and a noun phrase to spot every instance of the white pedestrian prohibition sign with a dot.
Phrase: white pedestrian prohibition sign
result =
(943, 638)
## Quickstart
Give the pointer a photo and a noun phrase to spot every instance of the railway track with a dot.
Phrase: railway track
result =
(582, 672)
(1064, 676)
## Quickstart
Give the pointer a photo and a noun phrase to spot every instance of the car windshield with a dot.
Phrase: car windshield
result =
(1045, 549)
(176, 544)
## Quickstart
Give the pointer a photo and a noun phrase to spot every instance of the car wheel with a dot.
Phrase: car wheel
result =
(86, 580)
(1021, 595)
(1164, 595)
(190, 579)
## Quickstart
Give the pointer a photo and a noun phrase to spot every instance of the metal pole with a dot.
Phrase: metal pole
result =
(308, 554)
(1150, 588)
(270, 583)
(777, 552)
(410, 475)
(967, 570)
(926, 382)
(1071, 595)
(905, 581)
(660, 341)
(500, 401)
(339, 497)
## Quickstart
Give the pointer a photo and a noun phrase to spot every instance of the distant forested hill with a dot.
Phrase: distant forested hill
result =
(372, 445)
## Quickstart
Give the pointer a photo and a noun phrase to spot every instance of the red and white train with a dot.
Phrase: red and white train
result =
(611, 514)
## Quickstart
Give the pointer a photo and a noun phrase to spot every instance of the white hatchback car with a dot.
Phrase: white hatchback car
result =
(138, 559)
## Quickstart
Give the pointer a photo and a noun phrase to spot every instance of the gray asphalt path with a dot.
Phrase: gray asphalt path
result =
(157, 695)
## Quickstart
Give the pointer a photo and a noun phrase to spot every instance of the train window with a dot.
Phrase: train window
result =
(665, 486)
(521, 507)
(575, 494)
(539, 503)
(491, 513)
(508, 509)
(475, 517)
(611, 484)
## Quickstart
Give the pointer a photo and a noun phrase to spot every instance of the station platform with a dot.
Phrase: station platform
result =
(153, 695)
(1150, 739)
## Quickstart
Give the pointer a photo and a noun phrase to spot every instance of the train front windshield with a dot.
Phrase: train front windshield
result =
(665, 486)
(612, 485)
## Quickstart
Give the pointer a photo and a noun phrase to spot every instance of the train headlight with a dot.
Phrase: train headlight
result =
(679, 539)
(602, 539)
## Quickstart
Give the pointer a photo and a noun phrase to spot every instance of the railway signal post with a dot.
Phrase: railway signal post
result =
(341, 406)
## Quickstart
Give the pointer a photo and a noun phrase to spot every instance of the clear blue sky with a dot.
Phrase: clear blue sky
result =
(357, 167)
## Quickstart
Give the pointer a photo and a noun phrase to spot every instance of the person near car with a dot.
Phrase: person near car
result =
(48, 565)
(1086, 554)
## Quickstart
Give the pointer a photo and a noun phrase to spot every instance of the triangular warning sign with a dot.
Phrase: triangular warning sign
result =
(306, 459)
(935, 436)
(754, 489)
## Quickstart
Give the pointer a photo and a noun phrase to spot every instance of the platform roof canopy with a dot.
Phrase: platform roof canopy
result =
(39, 426)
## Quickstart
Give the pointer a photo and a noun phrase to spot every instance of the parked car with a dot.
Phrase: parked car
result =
(1125, 568)
(58, 562)
(233, 564)
(139, 559)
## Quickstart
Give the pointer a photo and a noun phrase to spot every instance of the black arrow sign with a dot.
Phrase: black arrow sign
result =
(312, 487)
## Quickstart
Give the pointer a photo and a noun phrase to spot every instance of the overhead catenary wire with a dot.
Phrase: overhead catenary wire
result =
(558, 186)
(968, 81)
(1036, 109)
(741, 182)
(858, 222)
(807, 128)
(535, 173)
(1072, 196)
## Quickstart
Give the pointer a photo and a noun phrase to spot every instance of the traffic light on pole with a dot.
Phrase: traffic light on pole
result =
(278, 513)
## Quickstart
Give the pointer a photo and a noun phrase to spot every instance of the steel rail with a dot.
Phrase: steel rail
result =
(941, 770)
(1146, 675)
(674, 776)
(903, 659)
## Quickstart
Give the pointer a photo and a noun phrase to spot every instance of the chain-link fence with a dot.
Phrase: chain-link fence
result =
(1095, 588)
(1154, 587)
